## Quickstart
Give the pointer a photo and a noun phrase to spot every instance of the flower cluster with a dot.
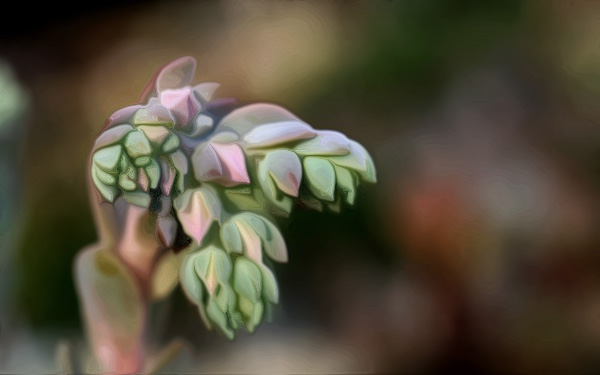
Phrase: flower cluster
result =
(220, 180)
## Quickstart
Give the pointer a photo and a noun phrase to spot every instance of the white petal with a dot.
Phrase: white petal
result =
(277, 133)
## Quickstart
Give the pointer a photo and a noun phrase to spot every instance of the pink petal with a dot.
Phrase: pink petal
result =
(233, 163)
(182, 103)
(198, 214)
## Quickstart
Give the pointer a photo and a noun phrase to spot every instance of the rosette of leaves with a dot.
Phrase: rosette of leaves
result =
(220, 181)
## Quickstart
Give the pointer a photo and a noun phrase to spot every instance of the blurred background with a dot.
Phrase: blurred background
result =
(478, 248)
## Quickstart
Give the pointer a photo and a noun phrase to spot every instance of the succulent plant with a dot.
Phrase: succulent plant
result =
(187, 181)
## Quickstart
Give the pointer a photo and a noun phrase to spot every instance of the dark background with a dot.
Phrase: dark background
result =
(477, 249)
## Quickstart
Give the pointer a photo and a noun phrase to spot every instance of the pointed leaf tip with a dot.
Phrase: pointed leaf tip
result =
(176, 74)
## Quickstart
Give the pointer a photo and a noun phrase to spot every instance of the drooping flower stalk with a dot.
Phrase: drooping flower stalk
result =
(175, 184)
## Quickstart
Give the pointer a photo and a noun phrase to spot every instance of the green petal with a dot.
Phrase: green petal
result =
(192, 286)
(171, 144)
(257, 316)
(272, 240)
(270, 288)
(106, 178)
(346, 182)
(107, 192)
(108, 158)
(219, 318)
(137, 145)
(142, 161)
(126, 184)
(358, 160)
(213, 262)
(230, 236)
(153, 172)
(320, 177)
(247, 279)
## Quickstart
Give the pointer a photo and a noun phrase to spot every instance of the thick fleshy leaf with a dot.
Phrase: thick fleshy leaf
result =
(248, 232)
(277, 133)
(231, 238)
(270, 288)
(171, 144)
(112, 135)
(252, 313)
(176, 74)
(113, 310)
(271, 192)
(180, 161)
(358, 160)
(201, 125)
(107, 192)
(108, 158)
(121, 116)
(246, 118)
(192, 285)
(136, 144)
(182, 103)
(326, 142)
(346, 182)
(320, 177)
(106, 178)
(166, 230)
(222, 163)
(154, 114)
(155, 134)
(284, 168)
(206, 90)
(219, 318)
(153, 173)
(250, 240)
(197, 209)
(213, 266)
(126, 183)
(273, 242)
(142, 161)
(233, 163)
(206, 163)
(247, 279)
(137, 198)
